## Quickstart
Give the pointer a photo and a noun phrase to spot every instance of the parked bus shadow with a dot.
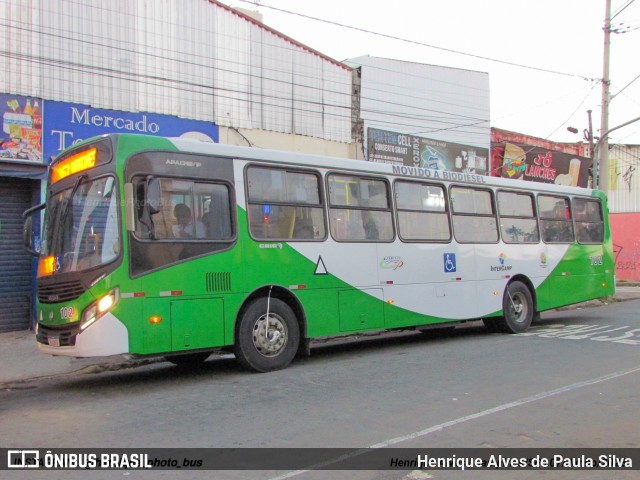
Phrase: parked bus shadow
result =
(224, 368)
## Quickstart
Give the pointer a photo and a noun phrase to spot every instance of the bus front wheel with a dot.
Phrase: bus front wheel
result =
(268, 335)
(517, 307)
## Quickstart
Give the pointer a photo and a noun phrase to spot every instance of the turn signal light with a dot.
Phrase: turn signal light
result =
(155, 319)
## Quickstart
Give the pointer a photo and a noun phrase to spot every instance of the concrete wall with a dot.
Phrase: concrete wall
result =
(290, 143)
(625, 229)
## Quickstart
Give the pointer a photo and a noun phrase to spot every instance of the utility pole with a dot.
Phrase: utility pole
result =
(601, 173)
(589, 135)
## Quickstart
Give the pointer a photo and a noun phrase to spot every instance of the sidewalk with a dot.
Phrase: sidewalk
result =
(20, 359)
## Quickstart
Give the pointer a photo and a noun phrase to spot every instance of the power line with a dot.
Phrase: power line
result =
(572, 113)
(415, 42)
(210, 90)
(623, 88)
(621, 9)
(288, 81)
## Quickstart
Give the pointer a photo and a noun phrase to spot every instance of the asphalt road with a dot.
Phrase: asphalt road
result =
(571, 381)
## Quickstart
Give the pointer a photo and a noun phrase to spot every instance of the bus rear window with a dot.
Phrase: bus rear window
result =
(588, 220)
(555, 219)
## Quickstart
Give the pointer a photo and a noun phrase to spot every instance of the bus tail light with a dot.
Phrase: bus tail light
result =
(97, 309)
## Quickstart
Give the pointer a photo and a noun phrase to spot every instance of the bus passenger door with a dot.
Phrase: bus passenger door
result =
(197, 323)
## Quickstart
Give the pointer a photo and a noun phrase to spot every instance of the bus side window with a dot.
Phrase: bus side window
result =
(518, 222)
(360, 209)
(217, 218)
(555, 219)
(422, 212)
(284, 204)
(588, 220)
(179, 228)
(474, 216)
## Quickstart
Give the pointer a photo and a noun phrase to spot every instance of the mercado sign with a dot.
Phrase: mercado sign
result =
(403, 149)
(68, 123)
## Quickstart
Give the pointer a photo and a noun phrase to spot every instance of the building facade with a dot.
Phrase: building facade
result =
(624, 209)
(198, 68)
(422, 115)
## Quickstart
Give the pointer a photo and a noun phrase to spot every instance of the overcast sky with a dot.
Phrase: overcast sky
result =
(559, 35)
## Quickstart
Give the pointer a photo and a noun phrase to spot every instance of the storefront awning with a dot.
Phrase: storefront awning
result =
(36, 171)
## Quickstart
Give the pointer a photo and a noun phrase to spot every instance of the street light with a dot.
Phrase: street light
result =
(587, 134)
(605, 178)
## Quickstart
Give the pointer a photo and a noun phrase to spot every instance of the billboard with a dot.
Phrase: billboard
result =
(396, 148)
(21, 134)
(537, 164)
(68, 123)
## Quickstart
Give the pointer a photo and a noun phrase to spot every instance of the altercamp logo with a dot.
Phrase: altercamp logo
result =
(503, 267)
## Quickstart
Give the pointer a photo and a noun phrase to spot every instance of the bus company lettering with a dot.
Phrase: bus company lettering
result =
(406, 171)
(119, 123)
(392, 263)
(271, 245)
(183, 163)
(501, 268)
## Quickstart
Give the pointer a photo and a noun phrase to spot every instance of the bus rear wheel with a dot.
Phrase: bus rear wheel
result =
(268, 335)
(517, 307)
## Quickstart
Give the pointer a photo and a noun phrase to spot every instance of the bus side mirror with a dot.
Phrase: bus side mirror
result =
(154, 195)
(28, 240)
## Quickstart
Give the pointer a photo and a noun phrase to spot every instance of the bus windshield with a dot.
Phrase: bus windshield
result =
(81, 227)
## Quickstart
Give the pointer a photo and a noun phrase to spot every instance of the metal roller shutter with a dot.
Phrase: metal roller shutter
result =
(15, 264)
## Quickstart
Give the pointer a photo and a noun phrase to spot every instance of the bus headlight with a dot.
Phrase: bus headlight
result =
(98, 308)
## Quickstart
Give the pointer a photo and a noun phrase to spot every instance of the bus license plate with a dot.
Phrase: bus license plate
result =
(54, 341)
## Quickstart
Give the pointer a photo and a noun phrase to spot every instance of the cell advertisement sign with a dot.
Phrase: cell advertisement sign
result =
(68, 123)
(541, 165)
(396, 148)
(21, 128)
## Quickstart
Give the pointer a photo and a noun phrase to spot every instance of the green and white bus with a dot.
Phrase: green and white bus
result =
(179, 248)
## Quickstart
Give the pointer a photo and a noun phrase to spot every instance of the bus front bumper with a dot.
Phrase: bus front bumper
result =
(107, 336)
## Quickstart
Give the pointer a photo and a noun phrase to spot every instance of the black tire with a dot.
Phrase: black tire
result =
(263, 350)
(517, 307)
(188, 360)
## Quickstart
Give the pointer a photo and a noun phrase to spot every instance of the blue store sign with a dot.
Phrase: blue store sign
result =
(67, 123)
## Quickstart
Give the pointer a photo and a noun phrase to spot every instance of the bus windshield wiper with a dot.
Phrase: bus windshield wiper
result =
(65, 211)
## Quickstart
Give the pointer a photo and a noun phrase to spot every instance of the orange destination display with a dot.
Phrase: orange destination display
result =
(76, 163)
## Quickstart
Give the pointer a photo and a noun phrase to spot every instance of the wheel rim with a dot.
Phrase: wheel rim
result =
(518, 307)
(271, 340)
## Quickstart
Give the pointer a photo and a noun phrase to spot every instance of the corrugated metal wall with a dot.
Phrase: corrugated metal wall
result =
(15, 263)
(190, 58)
(624, 179)
(447, 104)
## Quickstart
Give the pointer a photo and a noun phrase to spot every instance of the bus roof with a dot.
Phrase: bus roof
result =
(327, 162)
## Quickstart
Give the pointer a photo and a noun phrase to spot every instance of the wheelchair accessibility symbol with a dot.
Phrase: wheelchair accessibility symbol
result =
(449, 262)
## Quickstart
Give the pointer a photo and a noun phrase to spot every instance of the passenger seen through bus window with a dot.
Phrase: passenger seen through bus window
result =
(186, 227)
